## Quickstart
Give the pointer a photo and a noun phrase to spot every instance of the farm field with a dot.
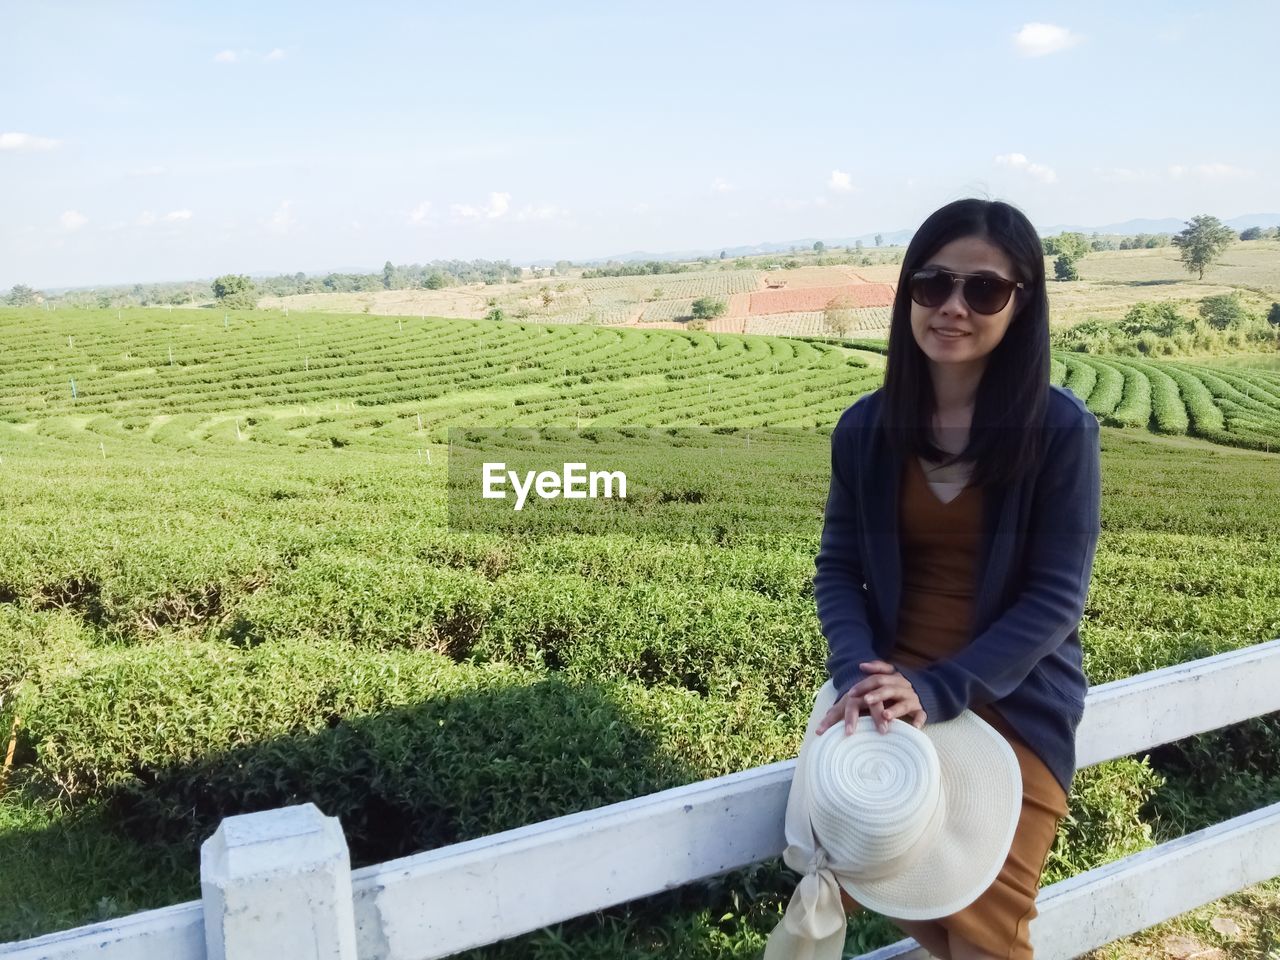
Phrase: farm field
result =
(227, 582)
(790, 302)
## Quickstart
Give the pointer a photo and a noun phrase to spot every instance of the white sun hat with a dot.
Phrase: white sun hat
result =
(914, 824)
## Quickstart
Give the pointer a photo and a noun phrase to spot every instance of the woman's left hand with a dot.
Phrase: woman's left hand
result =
(893, 693)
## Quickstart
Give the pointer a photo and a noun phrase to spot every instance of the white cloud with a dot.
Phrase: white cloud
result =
(1222, 171)
(147, 218)
(1121, 174)
(498, 205)
(281, 220)
(225, 56)
(276, 54)
(26, 142)
(420, 213)
(1208, 171)
(546, 211)
(840, 182)
(1019, 161)
(1038, 39)
(791, 204)
(721, 185)
(72, 220)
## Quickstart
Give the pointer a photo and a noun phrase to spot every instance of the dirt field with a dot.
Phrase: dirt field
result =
(789, 300)
(804, 277)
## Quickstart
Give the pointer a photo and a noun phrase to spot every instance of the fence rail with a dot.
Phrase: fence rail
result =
(269, 878)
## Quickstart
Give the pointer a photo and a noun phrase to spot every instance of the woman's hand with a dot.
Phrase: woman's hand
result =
(886, 695)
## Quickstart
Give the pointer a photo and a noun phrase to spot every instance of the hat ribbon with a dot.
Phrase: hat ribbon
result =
(813, 927)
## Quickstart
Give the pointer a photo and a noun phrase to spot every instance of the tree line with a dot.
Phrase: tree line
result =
(239, 291)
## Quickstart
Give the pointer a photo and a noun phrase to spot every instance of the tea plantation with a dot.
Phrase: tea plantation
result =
(228, 583)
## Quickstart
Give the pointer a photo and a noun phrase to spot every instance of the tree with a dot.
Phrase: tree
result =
(879, 239)
(1069, 247)
(388, 275)
(819, 247)
(1224, 311)
(1273, 316)
(1202, 241)
(1251, 233)
(839, 316)
(1073, 245)
(434, 281)
(1161, 319)
(857, 245)
(234, 291)
(724, 254)
(708, 308)
(20, 295)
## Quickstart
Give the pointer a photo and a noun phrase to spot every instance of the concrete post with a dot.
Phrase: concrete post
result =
(277, 885)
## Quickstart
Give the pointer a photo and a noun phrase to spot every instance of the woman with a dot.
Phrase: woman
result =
(959, 537)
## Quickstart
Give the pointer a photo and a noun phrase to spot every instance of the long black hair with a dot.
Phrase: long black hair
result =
(1004, 437)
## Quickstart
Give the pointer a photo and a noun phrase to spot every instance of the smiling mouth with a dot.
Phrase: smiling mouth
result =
(949, 335)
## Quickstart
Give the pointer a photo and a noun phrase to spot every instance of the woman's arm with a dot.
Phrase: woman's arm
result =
(838, 581)
(1065, 524)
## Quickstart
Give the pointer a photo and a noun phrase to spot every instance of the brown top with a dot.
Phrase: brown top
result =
(940, 556)
(940, 543)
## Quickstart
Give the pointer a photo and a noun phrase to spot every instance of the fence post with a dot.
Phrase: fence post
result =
(277, 884)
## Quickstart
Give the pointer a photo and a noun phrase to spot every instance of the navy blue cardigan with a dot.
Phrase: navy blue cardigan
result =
(1038, 543)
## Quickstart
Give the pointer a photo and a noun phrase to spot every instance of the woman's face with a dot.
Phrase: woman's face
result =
(983, 332)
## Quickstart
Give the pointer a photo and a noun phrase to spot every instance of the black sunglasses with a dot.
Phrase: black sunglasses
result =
(984, 294)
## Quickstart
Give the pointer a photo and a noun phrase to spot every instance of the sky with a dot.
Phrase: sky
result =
(145, 142)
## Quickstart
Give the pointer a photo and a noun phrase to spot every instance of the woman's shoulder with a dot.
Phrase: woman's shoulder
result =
(859, 412)
(1065, 409)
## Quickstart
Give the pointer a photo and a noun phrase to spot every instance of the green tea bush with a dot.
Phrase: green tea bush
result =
(1216, 775)
(381, 601)
(655, 634)
(1103, 822)
(409, 749)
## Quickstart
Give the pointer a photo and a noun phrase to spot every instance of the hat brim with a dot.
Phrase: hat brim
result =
(982, 785)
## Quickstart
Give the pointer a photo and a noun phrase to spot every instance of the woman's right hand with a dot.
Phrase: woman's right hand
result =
(873, 693)
(848, 708)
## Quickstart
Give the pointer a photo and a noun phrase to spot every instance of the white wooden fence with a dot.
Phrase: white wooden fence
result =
(277, 885)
